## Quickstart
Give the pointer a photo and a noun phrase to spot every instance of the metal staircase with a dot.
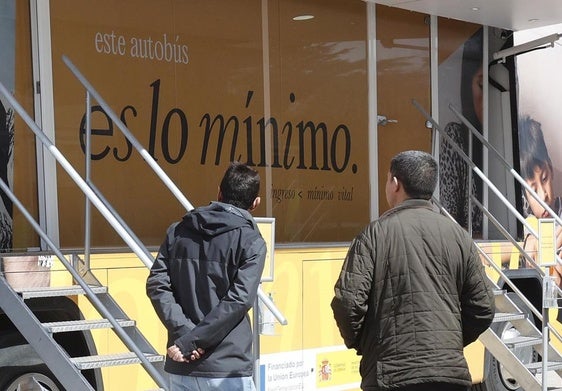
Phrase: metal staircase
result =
(41, 336)
(525, 354)
(523, 351)
(524, 334)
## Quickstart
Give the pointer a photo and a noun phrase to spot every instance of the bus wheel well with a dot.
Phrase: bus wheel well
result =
(496, 376)
(17, 353)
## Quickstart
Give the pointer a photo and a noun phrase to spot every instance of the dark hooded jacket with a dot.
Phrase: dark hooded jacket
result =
(202, 284)
(412, 293)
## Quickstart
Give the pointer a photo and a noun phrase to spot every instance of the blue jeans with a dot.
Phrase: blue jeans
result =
(193, 383)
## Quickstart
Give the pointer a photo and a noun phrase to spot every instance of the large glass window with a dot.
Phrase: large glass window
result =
(281, 85)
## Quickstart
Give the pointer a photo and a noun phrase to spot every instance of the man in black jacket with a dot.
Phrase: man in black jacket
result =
(412, 291)
(204, 281)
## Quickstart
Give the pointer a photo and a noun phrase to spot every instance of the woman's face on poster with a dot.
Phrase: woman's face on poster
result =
(541, 183)
(477, 93)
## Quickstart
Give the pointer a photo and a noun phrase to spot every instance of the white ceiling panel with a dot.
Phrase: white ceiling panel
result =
(508, 14)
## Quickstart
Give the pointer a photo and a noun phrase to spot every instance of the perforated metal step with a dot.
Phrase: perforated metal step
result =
(28, 293)
(91, 362)
(506, 317)
(536, 367)
(519, 342)
(80, 325)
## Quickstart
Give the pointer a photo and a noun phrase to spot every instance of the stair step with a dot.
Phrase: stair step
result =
(537, 366)
(80, 325)
(506, 317)
(522, 341)
(109, 360)
(28, 293)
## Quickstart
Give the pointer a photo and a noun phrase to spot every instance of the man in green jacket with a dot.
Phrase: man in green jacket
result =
(412, 291)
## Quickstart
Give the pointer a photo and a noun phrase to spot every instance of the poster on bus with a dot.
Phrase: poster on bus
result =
(539, 101)
(460, 102)
(284, 95)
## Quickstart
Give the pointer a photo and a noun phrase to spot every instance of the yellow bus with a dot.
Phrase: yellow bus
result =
(316, 95)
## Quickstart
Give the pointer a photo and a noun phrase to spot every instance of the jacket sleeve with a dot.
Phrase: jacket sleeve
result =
(477, 300)
(352, 290)
(232, 308)
(159, 290)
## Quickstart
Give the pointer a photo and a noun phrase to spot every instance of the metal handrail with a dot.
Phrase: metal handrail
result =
(93, 197)
(485, 179)
(470, 163)
(509, 237)
(506, 164)
(514, 173)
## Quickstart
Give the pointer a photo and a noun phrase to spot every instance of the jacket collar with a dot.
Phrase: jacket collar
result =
(217, 206)
(409, 204)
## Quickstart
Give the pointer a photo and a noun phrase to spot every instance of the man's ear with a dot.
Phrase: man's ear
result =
(394, 184)
(255, 204)
(219, 195)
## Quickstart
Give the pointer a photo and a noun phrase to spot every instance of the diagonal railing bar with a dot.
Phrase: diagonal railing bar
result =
(138, 146)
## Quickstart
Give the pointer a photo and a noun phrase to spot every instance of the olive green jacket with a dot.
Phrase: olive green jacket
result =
(411, 294)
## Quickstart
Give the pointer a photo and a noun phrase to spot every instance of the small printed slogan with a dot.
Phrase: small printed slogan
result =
(168, 48)
(317, 194)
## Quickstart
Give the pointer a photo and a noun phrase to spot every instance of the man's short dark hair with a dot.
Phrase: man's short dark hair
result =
(240, 185)
(417, 171)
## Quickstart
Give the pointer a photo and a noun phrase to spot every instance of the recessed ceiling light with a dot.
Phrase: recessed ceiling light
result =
(303, 17)
(476, 8)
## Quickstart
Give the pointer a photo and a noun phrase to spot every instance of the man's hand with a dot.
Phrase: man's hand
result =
(175, 354)
(196, 354)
